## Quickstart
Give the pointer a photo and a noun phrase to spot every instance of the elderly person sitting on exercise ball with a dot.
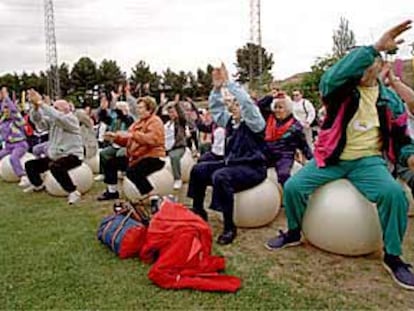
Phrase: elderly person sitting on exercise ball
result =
(283, 135)
(244, 164)
(365, 126)
(65, 147)
(145, 146)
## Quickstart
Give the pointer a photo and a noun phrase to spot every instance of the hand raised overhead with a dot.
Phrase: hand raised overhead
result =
(389, 41)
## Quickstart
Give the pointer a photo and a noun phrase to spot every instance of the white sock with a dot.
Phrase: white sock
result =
(112, 188)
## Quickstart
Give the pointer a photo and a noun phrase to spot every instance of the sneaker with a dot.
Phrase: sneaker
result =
(99, 177)
(399, 271)
(227, 237)
(24, 182)
(74, 197)
(284, 239)
(32, 188)
(105, 196)
(178, 184)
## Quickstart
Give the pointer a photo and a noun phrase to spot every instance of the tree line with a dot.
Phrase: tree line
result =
(86, 78)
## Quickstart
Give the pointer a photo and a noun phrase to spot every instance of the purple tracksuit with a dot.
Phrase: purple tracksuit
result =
(12, 132)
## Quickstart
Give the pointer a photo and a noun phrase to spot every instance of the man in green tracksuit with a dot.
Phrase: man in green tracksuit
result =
(365, 123)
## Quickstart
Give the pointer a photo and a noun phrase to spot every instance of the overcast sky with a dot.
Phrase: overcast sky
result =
(187, 34)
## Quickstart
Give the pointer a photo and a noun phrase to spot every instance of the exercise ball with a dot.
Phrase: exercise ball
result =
(6, 170)
(187, 162)
(93, 163)
(81, 176)
(409, 196)
(161, 180)
(256, 206)
(295, 168)
(341, 220)
(272, 175)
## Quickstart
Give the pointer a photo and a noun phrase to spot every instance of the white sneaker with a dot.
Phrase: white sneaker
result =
(24, 182)
(178, 184)
(32, 188)
(99, 177)
(74, 197)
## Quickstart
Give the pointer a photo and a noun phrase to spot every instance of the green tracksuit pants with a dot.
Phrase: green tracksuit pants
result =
(371, 177)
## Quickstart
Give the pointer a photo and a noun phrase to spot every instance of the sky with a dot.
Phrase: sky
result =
(189, 34)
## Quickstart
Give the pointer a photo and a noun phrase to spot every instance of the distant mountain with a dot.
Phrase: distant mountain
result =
(296, 78)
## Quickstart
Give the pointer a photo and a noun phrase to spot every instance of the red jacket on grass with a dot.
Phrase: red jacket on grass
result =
(180, 242)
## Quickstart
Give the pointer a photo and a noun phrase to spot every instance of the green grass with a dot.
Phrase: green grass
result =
(50, 259)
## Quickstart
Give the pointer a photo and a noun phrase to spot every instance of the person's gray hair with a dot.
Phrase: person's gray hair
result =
(287, 101)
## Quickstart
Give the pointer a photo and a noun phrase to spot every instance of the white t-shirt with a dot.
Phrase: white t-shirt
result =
(303, 111)
(169, 135)
(219, 135)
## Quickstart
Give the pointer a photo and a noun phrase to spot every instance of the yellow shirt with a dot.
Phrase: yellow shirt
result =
(363, 137)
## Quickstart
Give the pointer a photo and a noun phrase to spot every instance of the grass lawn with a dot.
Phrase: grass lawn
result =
(50, 259)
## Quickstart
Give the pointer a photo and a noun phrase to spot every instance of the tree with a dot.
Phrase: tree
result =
(247, 55)
(173, 83)
(343, 38)
(142, 74)
(64, 78)
(84, 75)
(109, 74)
(11, 81)
(30, 81)
(204, 82)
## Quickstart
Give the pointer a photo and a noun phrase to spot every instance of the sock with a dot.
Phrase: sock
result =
(112, 188)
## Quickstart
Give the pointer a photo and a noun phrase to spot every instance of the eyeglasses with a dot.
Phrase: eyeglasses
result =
(295, 94)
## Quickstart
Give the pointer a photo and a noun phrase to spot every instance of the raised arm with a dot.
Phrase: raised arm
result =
(67, 121)
(217, 108)
(351, 68)
(249, 111)
(348, 70)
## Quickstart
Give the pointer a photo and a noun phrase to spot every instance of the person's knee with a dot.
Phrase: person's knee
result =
(220, 178)
(29, 165)
(197, 171)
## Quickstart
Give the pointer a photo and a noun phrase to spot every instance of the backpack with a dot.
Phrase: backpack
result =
(315, 121)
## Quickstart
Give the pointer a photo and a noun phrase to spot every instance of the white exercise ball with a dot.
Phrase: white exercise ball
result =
(161, 180)
(339, 219)
(93, 163)
(6, 170)
(257, 206)
(187, 162)
(296, 167)
(82, 178)
(409, 196)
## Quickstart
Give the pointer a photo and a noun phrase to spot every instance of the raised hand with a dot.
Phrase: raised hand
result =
(34, 97)
(219, 76)
(389, 41)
